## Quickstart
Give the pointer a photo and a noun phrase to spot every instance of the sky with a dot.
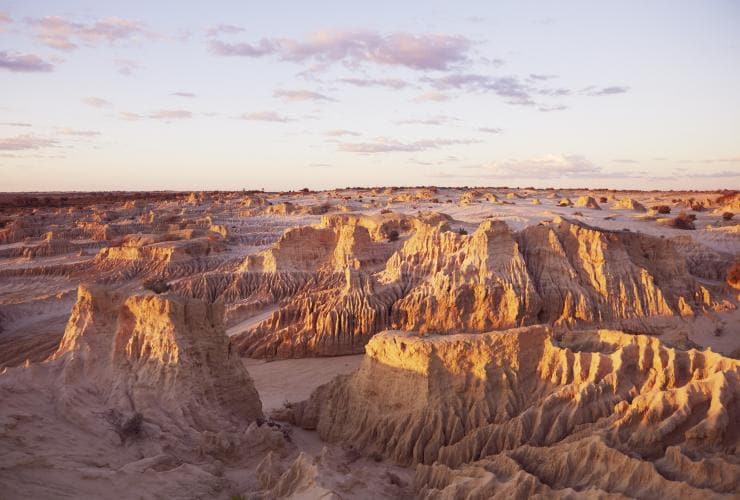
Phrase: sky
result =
(142, 95)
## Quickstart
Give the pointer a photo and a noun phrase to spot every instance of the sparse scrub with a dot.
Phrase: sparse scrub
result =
(157, 286)
(728, 215)
(684, 221)
(662, 209)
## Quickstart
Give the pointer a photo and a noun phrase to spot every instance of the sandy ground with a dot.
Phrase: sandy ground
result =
(293, 380)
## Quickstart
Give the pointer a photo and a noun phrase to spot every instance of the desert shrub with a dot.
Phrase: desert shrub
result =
(728, 215)
(157, 286)
(462, 231)
(603, 199)
(386, 211)
(684, 221)
(662, 209)
(126, 428)
(393, 235)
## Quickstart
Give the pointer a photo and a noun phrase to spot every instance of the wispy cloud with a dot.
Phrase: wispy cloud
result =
(432, 120)
(170, 114)
(388, 145)
(490, 130)
(97, 102)
(508, 87)
(419, 52)
(62, 34)
(25, 142)
(341, 132)
(159, 114)
(79, 133)
(604, 91)
(391, 83)
(301, 95)
(4, 20)
(17, 124)
(24, 63)
(265, 116)
(226, 29)
(184, 94)
(432, 97)
(127, 66)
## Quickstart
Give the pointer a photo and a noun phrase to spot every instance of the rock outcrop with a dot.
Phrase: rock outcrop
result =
(164, 357)
(437, 279)
(523, 412)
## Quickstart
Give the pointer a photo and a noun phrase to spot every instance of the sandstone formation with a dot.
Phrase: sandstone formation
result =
(524, 412)
(338, 283)
(162, 356)
(630, 204)
(587, 202)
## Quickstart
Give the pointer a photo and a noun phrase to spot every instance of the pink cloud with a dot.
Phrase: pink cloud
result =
(24, 63)
(392, 83)
(97, 102)
(25, 142)
(265, 116)
(170, 114)
(388, 145)
(432, 97)
(301, 95)
(421, 52)
(60, 33)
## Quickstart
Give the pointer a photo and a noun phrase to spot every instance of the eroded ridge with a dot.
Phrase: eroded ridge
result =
(523, 412)
(336, 284)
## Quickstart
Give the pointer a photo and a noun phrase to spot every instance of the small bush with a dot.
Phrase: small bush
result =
(462, 231)
(728, 215)
(684, 221)
(393, 235)
(157, 286)
(603, 199)
(662, 209)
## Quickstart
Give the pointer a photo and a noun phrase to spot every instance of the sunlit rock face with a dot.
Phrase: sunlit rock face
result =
(338, 283)
(156, 355)
(523, 411)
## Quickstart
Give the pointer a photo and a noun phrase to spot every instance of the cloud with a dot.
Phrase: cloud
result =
(59, 33)
(419, 52)
(490, 130)
(227, 29)
(432, 120)
(341, 132)
(24, 63)
(604, 91)
(127, 66)
(540, 78)
(220, 48)
(547, 108)
(432, 97)
(624, 160)
(387, 145)
(391, 83)
(301, 95)
(97, 102)
(265, 116)
(17, 124)
(508, 87)
(125, 115)
(170, 114)
(79, 133)
(25, 142)
(184, 94)
(4, 19)
(546, 167)
(160, 114)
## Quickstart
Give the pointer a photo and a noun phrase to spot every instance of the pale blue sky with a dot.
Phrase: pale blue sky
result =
(281, 95)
